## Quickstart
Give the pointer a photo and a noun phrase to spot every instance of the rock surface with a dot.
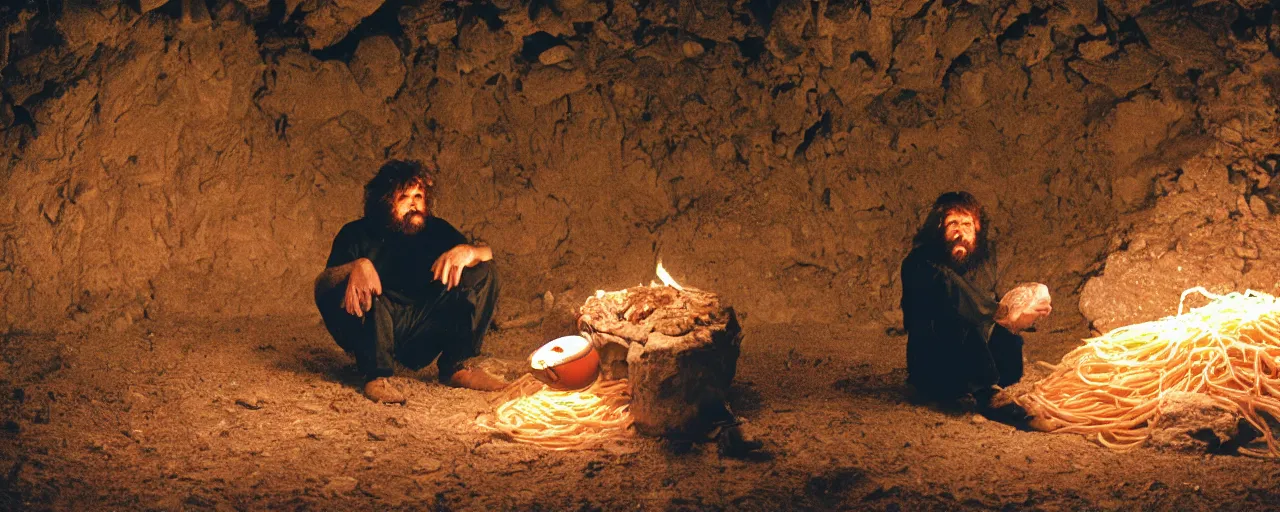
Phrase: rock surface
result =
(152, 168)
(1208, 219)
(1193, 422)
(326, 22)
(678, 349)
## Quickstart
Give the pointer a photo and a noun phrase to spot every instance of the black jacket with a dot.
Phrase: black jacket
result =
(949, 315)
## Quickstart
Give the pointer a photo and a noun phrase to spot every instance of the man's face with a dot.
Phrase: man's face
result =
(409, 210)
(960, 232)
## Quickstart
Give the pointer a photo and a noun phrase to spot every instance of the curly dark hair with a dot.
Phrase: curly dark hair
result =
(394, 177)
(931, 237)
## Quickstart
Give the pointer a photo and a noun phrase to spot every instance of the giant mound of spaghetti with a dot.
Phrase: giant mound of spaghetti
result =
(530, 412)
(1112, 388)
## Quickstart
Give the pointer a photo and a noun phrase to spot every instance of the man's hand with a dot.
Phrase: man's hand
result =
(362, 285)
(448, 267)
(1023, 306)
(1022, 320)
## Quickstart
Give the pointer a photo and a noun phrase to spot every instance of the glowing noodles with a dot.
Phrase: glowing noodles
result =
(1112, 388)
(562, 420)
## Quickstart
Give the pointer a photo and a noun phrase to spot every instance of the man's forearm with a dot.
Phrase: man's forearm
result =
(333, 277)
(483, 253)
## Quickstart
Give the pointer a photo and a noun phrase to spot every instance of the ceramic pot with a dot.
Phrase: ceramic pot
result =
(565, 363)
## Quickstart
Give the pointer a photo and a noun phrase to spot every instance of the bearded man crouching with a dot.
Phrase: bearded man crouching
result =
(404, 285)
(960, 342)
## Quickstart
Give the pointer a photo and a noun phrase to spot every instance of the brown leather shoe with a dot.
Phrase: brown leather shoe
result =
(475, 378)
(382, 391)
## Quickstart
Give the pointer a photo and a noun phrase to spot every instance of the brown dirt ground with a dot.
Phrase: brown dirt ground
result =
(265, 414)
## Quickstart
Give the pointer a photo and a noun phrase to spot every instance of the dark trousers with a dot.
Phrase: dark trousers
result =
(449, 324)
(946, 371)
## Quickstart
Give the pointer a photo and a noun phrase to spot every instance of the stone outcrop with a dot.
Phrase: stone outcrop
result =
(1194, 422)
(677, 348)
(1209, 219)
(325, 22)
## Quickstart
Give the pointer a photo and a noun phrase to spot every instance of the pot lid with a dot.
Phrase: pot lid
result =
(559, 351)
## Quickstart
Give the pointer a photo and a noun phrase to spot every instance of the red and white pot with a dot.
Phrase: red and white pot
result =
(565, 363)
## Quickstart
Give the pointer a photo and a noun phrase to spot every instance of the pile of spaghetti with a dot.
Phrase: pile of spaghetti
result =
(1112, 387)
(530, 412)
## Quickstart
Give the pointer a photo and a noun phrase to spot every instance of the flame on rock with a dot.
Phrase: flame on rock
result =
(666, 278)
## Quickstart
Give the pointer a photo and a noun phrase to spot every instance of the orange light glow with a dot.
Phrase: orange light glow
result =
(534, 414)
(1113, 388)
(666, 277)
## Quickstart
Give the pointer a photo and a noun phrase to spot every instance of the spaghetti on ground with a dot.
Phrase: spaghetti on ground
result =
(1112, 388)
(530, 412)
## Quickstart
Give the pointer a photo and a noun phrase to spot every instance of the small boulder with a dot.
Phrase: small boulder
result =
(340, 485)
(1193, 422)
(555, 55)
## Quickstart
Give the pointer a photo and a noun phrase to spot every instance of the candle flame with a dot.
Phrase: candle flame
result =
(666, 278)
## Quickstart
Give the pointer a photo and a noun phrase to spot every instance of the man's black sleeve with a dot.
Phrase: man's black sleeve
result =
(1001, 287)
(347, 246)
(449, 235)
(929, 309)
(921, 296)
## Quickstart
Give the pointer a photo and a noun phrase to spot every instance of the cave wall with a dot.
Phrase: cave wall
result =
(169, 161)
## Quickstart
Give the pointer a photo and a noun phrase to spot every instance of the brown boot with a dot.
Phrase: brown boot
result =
(475, 378)
(382, 391)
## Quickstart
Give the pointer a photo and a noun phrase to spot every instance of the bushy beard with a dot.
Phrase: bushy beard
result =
(962, 261)
(968, 250)
(406, 226)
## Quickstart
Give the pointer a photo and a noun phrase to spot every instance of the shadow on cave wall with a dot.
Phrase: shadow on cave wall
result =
(195, 158)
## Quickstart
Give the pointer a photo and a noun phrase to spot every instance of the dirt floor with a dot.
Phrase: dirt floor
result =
(162, 163)
(266, 414)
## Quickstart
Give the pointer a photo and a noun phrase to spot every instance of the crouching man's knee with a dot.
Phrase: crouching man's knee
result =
(483, 274)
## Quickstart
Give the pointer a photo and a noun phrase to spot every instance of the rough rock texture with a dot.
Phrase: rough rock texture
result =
(1194, 422)
(154, 168)
(678, 348)
(1210, 223)
(327, 21)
